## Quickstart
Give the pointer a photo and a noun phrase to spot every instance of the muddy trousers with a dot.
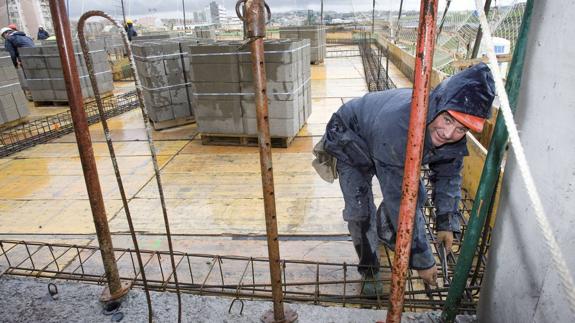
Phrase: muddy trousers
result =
(360, 214)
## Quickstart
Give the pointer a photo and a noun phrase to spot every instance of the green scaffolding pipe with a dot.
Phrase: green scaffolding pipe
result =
(489, 176)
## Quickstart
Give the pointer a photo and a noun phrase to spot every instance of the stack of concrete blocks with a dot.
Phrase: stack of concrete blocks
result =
(13, 104)
(315, 34)
(205, 32)
(114, 46)
(222, 83)
(43, 70)
(162, 69)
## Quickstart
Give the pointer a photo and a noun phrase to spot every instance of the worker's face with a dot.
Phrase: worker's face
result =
(444, 129)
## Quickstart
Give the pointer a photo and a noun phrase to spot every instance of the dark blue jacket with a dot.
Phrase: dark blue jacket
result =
(130, 31)
(371, 133)
(14, 41)
(43, 34)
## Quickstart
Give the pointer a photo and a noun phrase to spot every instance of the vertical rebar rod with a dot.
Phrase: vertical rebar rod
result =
(489, 175)
(108, 136)
(74, 91)
(414, 150)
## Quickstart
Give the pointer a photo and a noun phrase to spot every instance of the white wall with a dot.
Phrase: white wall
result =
(521, 284)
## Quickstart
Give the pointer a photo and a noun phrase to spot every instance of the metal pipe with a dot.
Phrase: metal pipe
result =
(489, 175)
(321, 14)
(398, 26)
(184, 10)
(256, 25)
(123, 13)
(479, 35)
(74, 91)
(414, 149)
(99, 104)
(373, 19)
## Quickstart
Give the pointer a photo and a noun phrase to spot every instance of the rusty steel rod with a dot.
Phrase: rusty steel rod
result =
(74, 91)
(414, 150)
(256, 27)
(109, 143)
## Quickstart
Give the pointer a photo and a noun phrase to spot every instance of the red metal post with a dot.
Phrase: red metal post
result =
(69, 68)
(414, 149)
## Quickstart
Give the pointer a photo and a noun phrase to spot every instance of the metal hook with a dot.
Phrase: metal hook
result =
(53, 291)
(242, 17)
(232, 304)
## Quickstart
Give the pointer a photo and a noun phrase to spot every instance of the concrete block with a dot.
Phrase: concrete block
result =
(179, 94)
(163, 113)
(215, 87)
(157, 98)
(216, 125)
(278, 127)
(182, 110)
(218, 108)
(214, 72)
(55, 73)
(276, 109)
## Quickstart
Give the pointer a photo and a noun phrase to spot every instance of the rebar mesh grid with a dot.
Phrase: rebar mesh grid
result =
(241, 277)
(373, 57)
(39, 131)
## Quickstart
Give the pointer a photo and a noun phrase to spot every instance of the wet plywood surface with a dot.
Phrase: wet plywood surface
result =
(208, 189)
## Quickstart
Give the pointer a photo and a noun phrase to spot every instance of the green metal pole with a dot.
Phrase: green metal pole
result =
(489, 175)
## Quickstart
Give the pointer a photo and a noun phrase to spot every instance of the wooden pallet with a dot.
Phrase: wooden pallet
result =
(65, 102)
(161, 125)
(242, 140)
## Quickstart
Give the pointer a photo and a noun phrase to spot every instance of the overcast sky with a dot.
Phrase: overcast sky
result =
(167, 8)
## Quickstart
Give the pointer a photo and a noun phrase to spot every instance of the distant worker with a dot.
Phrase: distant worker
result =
(129, 27)
(42, 33)
(13, 27)
(367, 136)
(13, 41)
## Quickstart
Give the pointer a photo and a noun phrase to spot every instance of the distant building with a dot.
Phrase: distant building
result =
(28, 15)
(217, 14)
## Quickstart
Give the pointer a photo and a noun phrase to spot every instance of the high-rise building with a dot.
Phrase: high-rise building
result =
(217, 13)
(28, 15)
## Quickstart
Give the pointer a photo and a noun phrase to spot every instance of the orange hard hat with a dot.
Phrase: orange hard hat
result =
(13, 26)
(472, 122)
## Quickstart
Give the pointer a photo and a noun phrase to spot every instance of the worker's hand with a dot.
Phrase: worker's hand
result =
(447, 238)
(429, 275)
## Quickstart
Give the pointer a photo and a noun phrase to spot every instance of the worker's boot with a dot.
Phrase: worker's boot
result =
(371, 285)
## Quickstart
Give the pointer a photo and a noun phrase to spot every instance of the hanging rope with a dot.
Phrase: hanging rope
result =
(542, 222)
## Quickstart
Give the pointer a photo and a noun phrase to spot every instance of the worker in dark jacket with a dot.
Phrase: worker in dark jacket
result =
(368, 137)
(14, 40)
(42, 33)
(130, 31)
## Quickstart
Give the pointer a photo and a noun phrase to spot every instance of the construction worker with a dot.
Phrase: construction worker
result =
(367, 136)
(13, 41)
(129, 27)
(42, 33)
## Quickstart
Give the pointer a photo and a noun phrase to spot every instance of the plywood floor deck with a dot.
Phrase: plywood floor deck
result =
(210, 190)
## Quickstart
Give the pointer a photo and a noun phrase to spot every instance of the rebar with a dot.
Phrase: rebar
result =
(30, 134)
(338, 283)
(108, 136)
